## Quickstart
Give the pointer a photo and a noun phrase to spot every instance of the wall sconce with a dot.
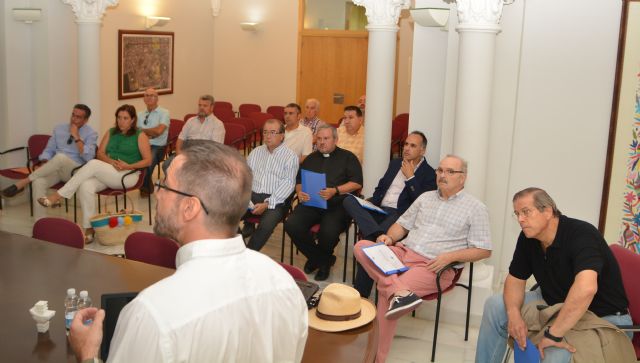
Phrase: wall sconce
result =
(430, 17)
(151, 21)
(250, 27)
(27, 15)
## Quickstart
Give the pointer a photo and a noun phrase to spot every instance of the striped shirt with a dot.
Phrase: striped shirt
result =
(438, 226)
(313, 124)
(274, 173)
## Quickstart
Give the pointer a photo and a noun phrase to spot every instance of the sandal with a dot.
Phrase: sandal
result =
(45, 202)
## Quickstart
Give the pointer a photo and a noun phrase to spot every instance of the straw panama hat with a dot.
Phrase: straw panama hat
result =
(341, 308)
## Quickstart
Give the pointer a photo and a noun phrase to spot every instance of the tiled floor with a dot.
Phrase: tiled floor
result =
(413, 337)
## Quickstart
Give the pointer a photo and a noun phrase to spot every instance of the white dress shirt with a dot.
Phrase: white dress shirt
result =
(299, 140)
(397, 186)
(224, 303)
(209, 129)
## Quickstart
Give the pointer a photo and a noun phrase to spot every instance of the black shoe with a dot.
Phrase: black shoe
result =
(11, 191)
(402, 304)
(309, 267)
(248, 229)
(323, 273)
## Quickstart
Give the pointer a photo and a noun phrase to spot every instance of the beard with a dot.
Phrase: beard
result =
(202, 114)
(165, 225)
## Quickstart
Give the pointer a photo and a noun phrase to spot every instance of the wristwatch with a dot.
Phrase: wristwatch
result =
(551, 336)
(337, 191)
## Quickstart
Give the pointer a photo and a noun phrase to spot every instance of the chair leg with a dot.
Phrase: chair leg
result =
(346, 254)
(435, 328)
(99, 211)
(117, 208)
(149, 203)
(66, 205)
(31, 198)
(466, 328)
(75, 209)
(282, 247)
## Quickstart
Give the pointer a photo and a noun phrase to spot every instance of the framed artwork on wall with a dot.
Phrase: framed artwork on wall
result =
(145, 59)
(620, 207)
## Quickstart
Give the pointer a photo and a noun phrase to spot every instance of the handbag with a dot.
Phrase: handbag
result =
(111, 229)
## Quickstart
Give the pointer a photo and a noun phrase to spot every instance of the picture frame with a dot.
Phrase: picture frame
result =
(620, 206)
(145, 59)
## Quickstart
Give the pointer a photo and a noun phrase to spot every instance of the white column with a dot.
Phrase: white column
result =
(478, 26)
(89, 17)
(383, 28)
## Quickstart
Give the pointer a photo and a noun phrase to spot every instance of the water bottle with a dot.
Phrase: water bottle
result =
(84, 301)
(70, 307)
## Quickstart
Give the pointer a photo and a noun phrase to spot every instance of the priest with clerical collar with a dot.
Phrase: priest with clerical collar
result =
(343, 175)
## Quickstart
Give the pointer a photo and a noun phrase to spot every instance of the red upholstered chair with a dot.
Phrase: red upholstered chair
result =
(224, 114)
(234, 135)
(223, 104)
(116, 192)
(251, 131)
(277, 112)
(175, 127)
(295, 272)
(150, 248)
(35, 147)
(399, 132)
(188, 116)
(629, 263)
(259, 118)
(60, 231)
(247, 108)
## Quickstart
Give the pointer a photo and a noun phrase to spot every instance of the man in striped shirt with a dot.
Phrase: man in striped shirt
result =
(274, 168)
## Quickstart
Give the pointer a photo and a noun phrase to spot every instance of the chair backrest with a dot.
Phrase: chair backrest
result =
(277, 112)
(222, 104)
(400, 127)
(259, 118)
(36, 145)
(60, 231)
(188, 116)
(246, 108)
(295, 272)
(629, 263)
(120, 191)
(247, 122)
(150, 248)
(175, 127)
(223, 113)
(234, 134)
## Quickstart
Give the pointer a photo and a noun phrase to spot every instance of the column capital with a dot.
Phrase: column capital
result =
(89, 11)
(215, 7)
(383, 14)
(483, 15)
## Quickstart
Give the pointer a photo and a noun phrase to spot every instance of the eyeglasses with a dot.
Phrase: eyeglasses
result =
(270, 132)
(525, 212)
(449, 172)
(146, 118)
(163, 186)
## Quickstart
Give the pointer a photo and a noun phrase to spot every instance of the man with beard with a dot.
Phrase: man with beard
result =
(442, 226)
(224, 303)
(203, 126)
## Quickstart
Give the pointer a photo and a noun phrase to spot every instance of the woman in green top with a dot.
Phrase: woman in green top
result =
(123, 148)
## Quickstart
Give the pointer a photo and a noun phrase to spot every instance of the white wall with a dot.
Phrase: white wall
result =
(553, 84)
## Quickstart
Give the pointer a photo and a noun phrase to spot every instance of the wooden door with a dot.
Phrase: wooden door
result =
(332, 63)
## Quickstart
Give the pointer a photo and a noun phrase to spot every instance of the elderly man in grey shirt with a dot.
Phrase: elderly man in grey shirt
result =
(441, 227)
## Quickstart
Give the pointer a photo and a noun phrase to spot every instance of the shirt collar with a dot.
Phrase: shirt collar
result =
(453, 197)
(209, 248)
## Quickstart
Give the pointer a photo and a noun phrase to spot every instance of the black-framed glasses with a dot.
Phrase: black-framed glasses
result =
(270, 132)
(163, 186)
(449, 172)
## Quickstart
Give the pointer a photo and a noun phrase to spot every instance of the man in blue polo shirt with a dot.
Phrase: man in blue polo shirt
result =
(154, 121)
(71, 145)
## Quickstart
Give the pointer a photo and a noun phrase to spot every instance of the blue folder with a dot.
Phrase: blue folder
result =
(530, 354)
(312, 184)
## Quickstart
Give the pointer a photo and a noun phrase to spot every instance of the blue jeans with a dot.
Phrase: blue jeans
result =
(157, 152)
(492, 337)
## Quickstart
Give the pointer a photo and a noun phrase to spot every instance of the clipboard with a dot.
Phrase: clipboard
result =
(312, 184)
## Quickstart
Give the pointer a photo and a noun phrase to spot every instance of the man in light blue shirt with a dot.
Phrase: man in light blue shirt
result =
(71, 145)
(154, 121)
